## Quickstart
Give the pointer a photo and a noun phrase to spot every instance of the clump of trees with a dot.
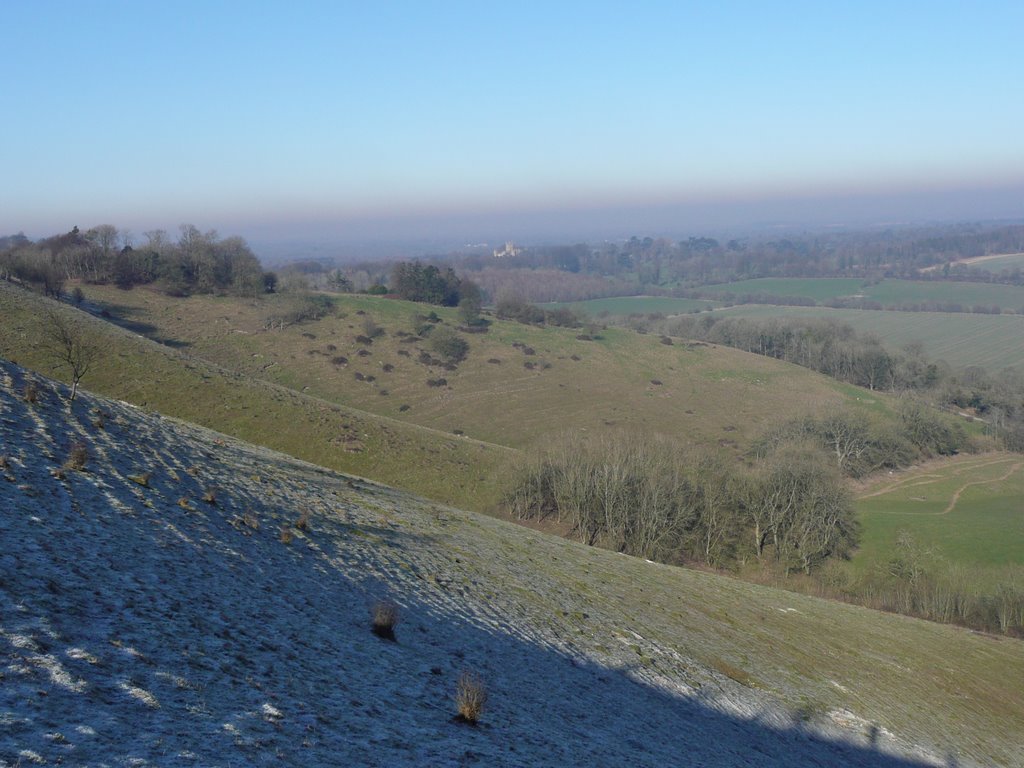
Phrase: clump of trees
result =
(785, 512)
(651, 498)
(512, 306)
(299, 307)
(821, 344)
(860, 445)
(197, 262)
(415, 281)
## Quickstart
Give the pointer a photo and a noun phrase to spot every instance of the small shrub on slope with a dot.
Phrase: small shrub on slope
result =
(470, 698)
(385, 619)
(78, 456)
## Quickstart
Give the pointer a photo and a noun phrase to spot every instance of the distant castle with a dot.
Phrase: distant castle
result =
(510, 249)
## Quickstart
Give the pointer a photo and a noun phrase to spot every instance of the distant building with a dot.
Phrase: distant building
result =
(510, 249)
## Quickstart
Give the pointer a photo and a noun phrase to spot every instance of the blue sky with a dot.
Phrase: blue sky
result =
(277, 119)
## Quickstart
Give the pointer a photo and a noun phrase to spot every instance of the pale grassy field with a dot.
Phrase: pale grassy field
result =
(888, 292)
(990, 341)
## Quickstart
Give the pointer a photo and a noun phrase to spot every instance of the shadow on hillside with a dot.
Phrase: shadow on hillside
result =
(127, 318)
(576, 712)
(123, 594)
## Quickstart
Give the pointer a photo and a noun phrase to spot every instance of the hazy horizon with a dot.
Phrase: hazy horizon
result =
(356, 126)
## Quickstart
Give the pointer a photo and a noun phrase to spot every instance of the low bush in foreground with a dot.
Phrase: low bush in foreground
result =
(470, 698)
(385, 618)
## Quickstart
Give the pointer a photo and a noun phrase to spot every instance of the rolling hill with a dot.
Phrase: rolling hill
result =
(173, 381)
(171, 596)
(519, 384)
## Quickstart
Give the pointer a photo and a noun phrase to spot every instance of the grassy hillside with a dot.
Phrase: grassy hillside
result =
(519, 384)
(138, 621)
(177, 383)
(990, 341)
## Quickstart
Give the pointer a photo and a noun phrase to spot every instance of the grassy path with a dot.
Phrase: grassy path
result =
(932, 477)
(956, 496)
(967, 509)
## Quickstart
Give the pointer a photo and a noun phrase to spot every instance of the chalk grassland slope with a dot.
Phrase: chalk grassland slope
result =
(968, 509)
(887, 292)
(989, 341)
(140, 623)
(519, 385)
(444, 467)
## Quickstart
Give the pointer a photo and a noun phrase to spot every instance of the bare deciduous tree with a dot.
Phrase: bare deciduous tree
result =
(72, 347)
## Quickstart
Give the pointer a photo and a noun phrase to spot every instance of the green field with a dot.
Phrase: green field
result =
(819, 289)
(990, 341)
(968, 510)
(627, 305)
(887, 292)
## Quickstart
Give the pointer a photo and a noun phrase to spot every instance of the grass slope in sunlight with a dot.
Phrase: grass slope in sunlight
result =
(519, 385)
(444, 467)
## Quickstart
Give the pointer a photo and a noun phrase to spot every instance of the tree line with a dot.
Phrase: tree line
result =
(837, 350)
(918, 581)
(662, 266)
(784, 513)
(195, 262)
(821, 344)
(703, 260)
(651, 498)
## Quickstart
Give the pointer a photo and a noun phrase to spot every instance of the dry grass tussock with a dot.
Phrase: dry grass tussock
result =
(142, 479)
(78, 457)
(386, 617)
(470, 697)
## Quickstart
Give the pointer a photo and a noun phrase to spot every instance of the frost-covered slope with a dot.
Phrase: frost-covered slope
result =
(143, 624)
